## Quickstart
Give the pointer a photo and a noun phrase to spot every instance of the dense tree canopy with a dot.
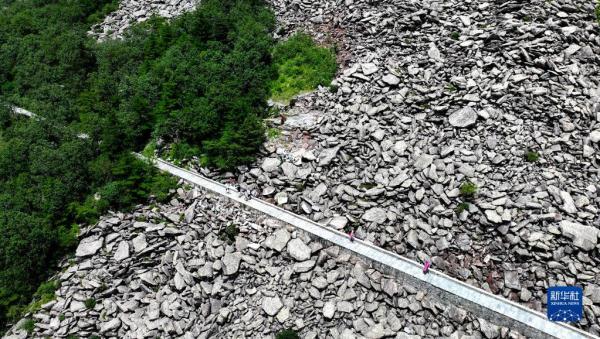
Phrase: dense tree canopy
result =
(46, 173)
(195, 85)
(202, 79)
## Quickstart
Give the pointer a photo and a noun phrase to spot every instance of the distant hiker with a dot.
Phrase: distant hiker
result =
(351, 235)
(283, 118)
(426, 266)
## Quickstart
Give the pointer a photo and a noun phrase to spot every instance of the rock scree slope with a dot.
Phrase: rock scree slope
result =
(433, 94)
(167, 271)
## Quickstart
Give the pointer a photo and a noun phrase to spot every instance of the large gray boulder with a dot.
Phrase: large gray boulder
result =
(270, 164)
(271, 305)
(463, 117)
(231, 263)
(584, 237)
(278, 240)
(89, 246)
(298, 250)
(376, 215)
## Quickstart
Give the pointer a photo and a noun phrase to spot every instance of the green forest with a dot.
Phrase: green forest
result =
(197, 85)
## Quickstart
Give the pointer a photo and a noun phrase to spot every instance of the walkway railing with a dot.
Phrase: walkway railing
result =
(493, 308)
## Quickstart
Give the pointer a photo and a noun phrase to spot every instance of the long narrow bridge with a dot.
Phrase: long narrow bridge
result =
(493, 308)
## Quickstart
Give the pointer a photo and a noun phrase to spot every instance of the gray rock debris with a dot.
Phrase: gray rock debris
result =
(231, 263)
(190, 283)
(298, 250)
(89, 246)
(278, 240)
(463, 117)
(515, 84)
(122, 251)
(584, 237)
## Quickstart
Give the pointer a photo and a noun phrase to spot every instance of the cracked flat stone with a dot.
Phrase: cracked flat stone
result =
(231, 263)
(298, 250)
(391, 79)
(462, 118)
(376, 215)
(89, 246)
(369, 68)
(278, 240)
(122, 251)
(584, 237)
(492, 216)
(327, 155)
(272, 305)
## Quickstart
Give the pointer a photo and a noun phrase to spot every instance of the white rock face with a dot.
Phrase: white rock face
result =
(298, 250)
(434, 52)
(369, 68)
(278, 240)
(376, 215)
(339, 222)
(584, 237)
(492, 216)
(271, 305)
(122, 251)
(568, 203)
(423, 161)
(391, 79)
(463, 117)
(139, 243)
(281, 198)
(329, 310)
(270, 164)
(89, 246)
(231, 263)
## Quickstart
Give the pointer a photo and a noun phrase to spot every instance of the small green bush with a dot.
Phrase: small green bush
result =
(532, 156)
(67, 236)
(463, 206)
(598, 11)
(28, 325)
(455, 35)
(150, 149)
(43, 295)
(287, 334)
(132, 180)
(182, 151)
(468, 190)
(229, 233)
(90, 303)
(273, 133)
(301, 66)
(61, 317)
